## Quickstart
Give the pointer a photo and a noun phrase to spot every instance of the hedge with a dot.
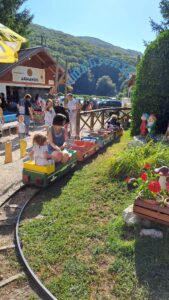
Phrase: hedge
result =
(151, 92)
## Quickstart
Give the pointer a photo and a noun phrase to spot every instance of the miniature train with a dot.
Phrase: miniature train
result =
(78, 150)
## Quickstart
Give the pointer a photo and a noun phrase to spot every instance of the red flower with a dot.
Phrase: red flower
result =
(147, 166)
(167, 186)
(154, 186)
(144, 176)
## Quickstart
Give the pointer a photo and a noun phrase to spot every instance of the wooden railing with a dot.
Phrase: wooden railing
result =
(97, 118)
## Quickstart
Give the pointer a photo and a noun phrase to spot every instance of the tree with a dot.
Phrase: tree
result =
(85, 84)
(13, 17)
(164, 9)
(151, 92)
(105, 86)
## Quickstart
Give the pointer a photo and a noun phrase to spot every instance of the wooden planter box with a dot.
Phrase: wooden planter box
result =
(153, 212)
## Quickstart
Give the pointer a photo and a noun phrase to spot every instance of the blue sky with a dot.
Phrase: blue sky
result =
(124, 23)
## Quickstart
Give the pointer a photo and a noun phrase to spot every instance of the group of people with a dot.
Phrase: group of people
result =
(57, 118)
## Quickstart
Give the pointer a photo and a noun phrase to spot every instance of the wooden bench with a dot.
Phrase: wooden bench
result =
(153, 212)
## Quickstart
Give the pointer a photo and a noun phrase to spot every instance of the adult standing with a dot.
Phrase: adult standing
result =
(49, 113)
(3, 101)
(52, 93)
(73, 108)
(25, 109)
(1, 118)
(59, 109)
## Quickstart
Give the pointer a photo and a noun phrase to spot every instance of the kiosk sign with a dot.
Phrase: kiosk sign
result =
(28, 74)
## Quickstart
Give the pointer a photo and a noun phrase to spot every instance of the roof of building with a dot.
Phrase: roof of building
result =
(23, 55)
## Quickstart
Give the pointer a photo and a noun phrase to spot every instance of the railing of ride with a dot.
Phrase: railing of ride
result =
(91, 119)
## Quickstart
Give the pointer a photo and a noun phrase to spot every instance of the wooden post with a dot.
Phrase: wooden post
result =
(66, 76)
(91, 120)
(57, 75)
(78, 124)
(8, 152)
(102, 119)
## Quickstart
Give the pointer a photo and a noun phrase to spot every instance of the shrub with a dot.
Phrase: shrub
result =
(151, 93)
(131, 161)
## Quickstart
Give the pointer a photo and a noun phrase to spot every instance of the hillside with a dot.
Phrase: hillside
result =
(99, 43)
(79, 50)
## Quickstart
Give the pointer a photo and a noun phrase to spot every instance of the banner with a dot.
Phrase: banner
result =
(28, 74)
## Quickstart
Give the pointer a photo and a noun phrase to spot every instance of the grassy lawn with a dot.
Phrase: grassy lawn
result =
(81, 248)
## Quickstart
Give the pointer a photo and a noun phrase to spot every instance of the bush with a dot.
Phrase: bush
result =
(151, 93)
(132, 160)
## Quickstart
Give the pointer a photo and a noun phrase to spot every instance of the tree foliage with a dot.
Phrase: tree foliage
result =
(13, 17)
(164, 9)
(105, 86)
(151, 93)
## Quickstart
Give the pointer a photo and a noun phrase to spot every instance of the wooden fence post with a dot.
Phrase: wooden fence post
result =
(91, 120)
(78, 124)
(102, 119)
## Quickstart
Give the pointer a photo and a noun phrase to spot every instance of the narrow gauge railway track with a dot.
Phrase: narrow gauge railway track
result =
(14, 284)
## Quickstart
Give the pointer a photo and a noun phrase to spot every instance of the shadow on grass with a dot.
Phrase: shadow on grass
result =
(152, 265)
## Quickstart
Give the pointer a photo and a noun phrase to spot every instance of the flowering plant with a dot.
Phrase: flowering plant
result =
(149, 186)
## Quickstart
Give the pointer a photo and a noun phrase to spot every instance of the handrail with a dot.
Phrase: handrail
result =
(105, 109)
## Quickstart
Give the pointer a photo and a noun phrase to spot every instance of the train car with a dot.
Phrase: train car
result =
(118, 131)
(107, 135)
(84, 148)
(101, 137)
(99, 141)
(42, 176)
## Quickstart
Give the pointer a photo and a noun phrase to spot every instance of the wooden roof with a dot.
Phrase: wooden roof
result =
(26, 54)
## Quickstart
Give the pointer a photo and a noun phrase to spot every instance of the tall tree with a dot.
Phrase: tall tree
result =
(105, 86)
(164, 9)
(15, 18)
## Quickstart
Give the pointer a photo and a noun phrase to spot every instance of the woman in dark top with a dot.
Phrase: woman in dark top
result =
(64, 111)
(56, 139)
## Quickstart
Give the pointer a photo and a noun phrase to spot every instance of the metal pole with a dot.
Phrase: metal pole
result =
(66, 73)
(57, 75)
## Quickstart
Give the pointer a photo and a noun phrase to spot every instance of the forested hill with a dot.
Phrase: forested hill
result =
(99, 43)
(78, 50)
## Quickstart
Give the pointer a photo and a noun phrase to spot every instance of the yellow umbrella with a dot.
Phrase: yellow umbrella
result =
(10, 43)
(7, 55)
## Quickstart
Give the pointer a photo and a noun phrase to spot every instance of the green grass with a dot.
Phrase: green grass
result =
(81, 248)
